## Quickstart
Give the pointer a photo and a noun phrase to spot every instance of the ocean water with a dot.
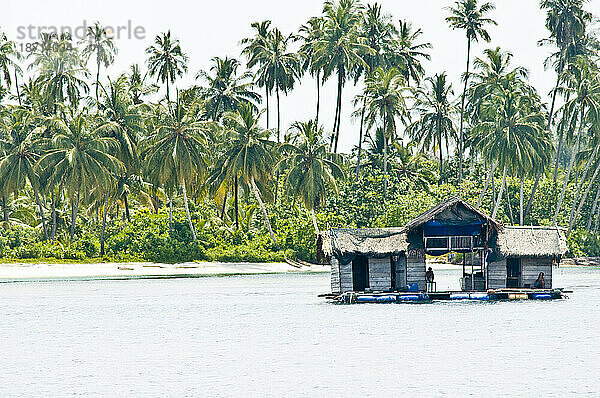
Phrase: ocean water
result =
(271, 335)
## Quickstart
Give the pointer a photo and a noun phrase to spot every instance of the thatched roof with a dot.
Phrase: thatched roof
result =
(456, 208)
(375, 242)
(532, 241)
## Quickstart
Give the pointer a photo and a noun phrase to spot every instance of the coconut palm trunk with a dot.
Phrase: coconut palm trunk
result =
(224, 204)
(336, 130)
(235, 194)
(17, 87)
(97, 79)
(572, 215)
(441, 157)
(278, 141)
(584, 197)
(593, 212)
(487, 184)
(569, 169)
(462, 114)
(53, 233)
(502, 184)
(126, 204)
(360, 137)
(278, 115)
(41, 212)
(314, 220)
(4, 209)
(533, 189)
(521, 200)
(74, 210)
(318, 97)
(170, 213)
(187, 209)
(105, 212)
(168, 97)
(384, 159)
(262, 208)
(267, 100)
(560, 139)
(508, 206)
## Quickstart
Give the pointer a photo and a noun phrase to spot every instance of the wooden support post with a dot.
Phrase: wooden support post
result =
(472, 274)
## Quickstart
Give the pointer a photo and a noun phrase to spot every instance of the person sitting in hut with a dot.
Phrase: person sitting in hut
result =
(539, 283)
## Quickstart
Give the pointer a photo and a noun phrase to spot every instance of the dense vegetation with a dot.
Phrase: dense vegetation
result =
(94, 165)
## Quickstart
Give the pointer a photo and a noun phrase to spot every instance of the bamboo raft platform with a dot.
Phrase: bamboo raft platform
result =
(428, 297)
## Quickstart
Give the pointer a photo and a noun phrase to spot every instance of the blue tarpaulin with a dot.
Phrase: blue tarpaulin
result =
(436, 228)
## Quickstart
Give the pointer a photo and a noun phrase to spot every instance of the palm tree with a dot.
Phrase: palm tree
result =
(340, 49)
(118, 107)
(469, 16)
(9, 56)
(436, 113)
(511, 134)
(582, 79)
(380, 35)
(21, 151)
(310, 173)
(492, 72)
(226, 90)
(310, 33)
(99, 44)
(408, 162)
(251, 51)
(386, 103)
(410, 53)
(137, 85)
(278, 68)
(177, 146)
(566, 21)
(79, 158)
(249, 156)
(62, 74)
(166, 59)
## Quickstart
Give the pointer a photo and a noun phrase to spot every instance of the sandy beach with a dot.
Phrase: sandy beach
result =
(28, 271)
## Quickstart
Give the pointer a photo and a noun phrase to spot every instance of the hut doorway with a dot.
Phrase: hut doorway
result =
(360, 273)
(513, 272)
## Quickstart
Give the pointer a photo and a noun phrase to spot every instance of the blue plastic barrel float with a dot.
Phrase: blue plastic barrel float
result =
(479, 296)
(459, 296)
(386, 299)
(413, 298)
(366, 299)
(541, 296)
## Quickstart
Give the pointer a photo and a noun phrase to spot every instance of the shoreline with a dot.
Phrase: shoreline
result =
(30, 271)
(14, 272)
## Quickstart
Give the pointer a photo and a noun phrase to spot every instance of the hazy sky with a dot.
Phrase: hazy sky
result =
(214, 28)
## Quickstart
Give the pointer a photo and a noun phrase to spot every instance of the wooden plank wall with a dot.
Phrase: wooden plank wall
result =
(335, 276)
(346, 277)
(401, 272)
(496, 274)
(380, 273)
(415, 268)
(532, 266)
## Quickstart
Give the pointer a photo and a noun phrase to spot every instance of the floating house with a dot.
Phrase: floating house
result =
(494, 256)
